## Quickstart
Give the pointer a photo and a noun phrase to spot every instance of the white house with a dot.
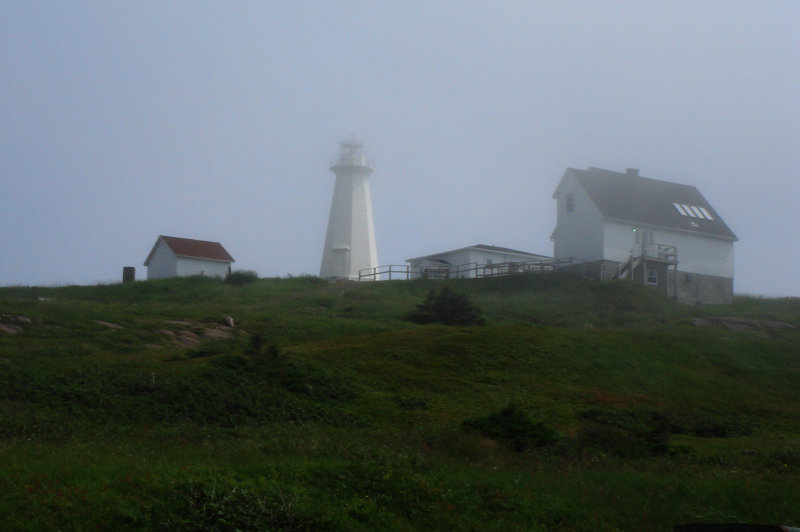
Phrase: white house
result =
(473, 261)
(178, 257)
(662, 234)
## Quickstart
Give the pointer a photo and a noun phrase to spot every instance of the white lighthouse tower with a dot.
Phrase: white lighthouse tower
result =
(350, 241)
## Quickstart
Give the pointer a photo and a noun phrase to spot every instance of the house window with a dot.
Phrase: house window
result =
(570, 202)
(652, 276)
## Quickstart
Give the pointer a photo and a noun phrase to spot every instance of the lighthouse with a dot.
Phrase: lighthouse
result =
(350, 240)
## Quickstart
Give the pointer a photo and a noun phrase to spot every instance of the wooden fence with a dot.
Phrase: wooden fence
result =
(472, 270)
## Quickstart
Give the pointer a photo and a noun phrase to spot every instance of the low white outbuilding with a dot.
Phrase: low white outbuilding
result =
(179, 257)
(471, 261)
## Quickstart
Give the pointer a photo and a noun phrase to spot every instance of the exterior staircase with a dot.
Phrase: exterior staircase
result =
(626, 269)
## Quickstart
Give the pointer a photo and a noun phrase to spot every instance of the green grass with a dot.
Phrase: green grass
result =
(343, 415)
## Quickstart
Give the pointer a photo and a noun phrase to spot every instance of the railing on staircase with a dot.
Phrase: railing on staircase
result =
(626, 269)
(659, 253)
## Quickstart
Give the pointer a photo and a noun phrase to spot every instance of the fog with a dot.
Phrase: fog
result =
(216, 121)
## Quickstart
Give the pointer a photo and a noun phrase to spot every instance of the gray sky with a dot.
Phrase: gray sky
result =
(120, 121)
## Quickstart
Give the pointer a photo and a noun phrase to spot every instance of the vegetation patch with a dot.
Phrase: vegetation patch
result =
(242, 277)
(230, 505)
(219, 347)
(447, 307)
(410, 403)
(626, 433)
(514, 426)
(233, 390)
(325, 409)
(636, 431)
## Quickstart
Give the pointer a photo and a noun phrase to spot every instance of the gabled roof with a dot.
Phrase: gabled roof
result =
(629, 197)
(483, 247)
(196, 249)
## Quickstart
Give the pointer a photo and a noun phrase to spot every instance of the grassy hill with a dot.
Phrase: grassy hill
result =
(578, 405)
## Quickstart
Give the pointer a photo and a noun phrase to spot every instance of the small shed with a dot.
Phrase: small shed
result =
(179, 257)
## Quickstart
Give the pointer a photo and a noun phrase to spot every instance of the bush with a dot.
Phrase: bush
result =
(295, 376)
(447, 307)
(512, 425)
(242, 277)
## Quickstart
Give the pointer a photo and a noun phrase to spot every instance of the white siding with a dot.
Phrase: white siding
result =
(163, 262)
(457, 258)
(419, 266)
(461, 258)
(483, 256)
(470, 256)
(619, 240)
(209, 268)
(578, 234)
(701, 254)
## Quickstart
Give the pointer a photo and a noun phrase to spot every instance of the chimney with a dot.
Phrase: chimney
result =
(632, 172)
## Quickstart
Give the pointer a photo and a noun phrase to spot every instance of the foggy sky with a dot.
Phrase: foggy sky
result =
(121, 121)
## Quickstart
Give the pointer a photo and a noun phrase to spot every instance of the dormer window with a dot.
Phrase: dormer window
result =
(570, 202)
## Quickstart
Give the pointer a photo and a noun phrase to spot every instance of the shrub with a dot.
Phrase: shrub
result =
(295, 376)
(447, 307)
(241, 277)
(513, 425)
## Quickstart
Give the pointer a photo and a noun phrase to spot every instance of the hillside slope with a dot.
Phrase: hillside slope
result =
(578, 405)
